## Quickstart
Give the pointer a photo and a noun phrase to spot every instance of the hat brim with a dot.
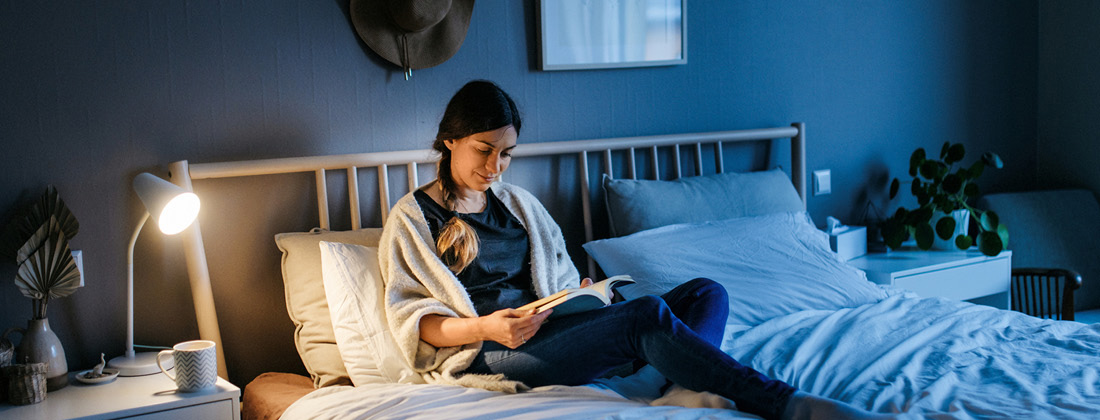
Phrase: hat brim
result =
(427, 48)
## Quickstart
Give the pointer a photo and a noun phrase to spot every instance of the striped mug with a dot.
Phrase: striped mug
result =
(196, 365)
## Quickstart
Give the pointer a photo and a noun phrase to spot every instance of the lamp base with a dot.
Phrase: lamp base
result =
(140, 365)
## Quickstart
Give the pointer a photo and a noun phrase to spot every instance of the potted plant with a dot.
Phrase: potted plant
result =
(942, 192)
(38, 242)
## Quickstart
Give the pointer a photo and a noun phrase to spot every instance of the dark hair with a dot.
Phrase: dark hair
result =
(477, 107)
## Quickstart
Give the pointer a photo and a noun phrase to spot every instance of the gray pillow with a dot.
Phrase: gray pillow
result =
(637, 205)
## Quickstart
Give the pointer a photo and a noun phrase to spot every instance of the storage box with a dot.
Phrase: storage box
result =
(849, 241)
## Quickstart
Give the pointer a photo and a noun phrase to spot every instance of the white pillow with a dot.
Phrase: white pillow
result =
(770, 265)
(353, 288)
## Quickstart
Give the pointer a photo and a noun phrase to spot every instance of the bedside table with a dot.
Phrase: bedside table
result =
(137, 397)
(962, 275)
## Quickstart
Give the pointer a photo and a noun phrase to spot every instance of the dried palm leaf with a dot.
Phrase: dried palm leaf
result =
(47, 269)
(19, 231)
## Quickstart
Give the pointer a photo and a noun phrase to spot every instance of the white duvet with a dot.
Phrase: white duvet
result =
(931, 358)
(934, 356)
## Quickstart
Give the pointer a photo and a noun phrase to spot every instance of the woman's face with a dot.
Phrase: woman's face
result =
(479, 159)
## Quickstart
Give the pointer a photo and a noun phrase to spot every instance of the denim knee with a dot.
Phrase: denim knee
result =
(702, 286)
(647, 304)
(709, 292)
(647, 310)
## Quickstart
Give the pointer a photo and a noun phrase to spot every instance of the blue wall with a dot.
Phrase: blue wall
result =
(95, 92)
(1069, 99)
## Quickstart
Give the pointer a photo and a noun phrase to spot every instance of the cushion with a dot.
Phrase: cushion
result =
(306, 304)
(770, 265)
(353, 288)
(269, 394)
(637, 205)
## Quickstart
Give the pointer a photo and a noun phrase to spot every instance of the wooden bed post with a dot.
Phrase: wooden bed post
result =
(798, 161)
(199, 273)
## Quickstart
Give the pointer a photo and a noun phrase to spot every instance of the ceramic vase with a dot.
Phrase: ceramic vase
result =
(962, 226)
(41, 345)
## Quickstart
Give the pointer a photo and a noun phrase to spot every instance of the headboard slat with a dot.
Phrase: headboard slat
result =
(414, 177)
(353, 198)
(384, 190)
(322, 198)
(631, 166)
(607, 163)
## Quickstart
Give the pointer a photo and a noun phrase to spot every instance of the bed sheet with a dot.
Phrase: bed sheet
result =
(442, 402)
(930, 358)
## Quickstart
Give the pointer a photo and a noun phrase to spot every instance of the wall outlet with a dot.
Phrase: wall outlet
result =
(78, 259)
(823, 183)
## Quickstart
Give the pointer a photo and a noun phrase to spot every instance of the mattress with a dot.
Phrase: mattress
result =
(926, 357)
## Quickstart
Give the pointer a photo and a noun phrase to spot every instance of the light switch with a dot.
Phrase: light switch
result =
(78, 259)
(823, 183)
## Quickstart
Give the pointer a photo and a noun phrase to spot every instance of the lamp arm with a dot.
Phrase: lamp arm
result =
(130, 288)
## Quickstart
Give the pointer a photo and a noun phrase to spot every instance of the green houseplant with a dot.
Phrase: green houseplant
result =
(37, 239)
(943, 187)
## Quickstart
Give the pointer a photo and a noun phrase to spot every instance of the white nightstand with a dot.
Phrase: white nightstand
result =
(962, 275)
(138, 397)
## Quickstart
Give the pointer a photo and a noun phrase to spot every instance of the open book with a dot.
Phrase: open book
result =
(571, 301)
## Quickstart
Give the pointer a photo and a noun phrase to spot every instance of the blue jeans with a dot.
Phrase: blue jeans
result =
(677, 333)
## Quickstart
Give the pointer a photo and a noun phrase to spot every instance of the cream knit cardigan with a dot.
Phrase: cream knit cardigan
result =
(417, 283)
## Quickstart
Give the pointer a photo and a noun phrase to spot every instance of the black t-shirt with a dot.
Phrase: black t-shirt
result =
(500, 275)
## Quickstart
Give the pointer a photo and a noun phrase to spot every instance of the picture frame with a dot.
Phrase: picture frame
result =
(603, 34)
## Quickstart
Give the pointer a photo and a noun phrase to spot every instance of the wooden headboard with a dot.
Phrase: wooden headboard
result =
(613, 156)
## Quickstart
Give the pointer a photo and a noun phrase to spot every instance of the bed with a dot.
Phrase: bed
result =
(798, 312)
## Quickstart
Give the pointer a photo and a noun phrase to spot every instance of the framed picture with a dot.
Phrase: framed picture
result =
(600, 34)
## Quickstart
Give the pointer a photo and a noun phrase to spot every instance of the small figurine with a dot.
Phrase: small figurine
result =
(97, 374)
(97, 371)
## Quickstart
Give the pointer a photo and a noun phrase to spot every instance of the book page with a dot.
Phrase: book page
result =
(600, 295)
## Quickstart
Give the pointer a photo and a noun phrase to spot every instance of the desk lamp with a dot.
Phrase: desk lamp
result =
(173, 209)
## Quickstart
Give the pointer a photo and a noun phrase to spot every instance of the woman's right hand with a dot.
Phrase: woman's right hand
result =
(512, 327)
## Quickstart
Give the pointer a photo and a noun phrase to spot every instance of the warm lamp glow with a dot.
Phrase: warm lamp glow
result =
(179, 213)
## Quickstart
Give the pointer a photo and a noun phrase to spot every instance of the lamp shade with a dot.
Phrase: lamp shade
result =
(171, 207)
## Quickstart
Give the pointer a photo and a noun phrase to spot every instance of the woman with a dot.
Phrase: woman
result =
(459, 254)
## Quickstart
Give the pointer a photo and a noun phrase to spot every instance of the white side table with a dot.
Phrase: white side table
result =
(138, 397)
(962, 275)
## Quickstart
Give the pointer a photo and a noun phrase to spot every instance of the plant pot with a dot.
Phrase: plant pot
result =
(962, 227)
(41, 345)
